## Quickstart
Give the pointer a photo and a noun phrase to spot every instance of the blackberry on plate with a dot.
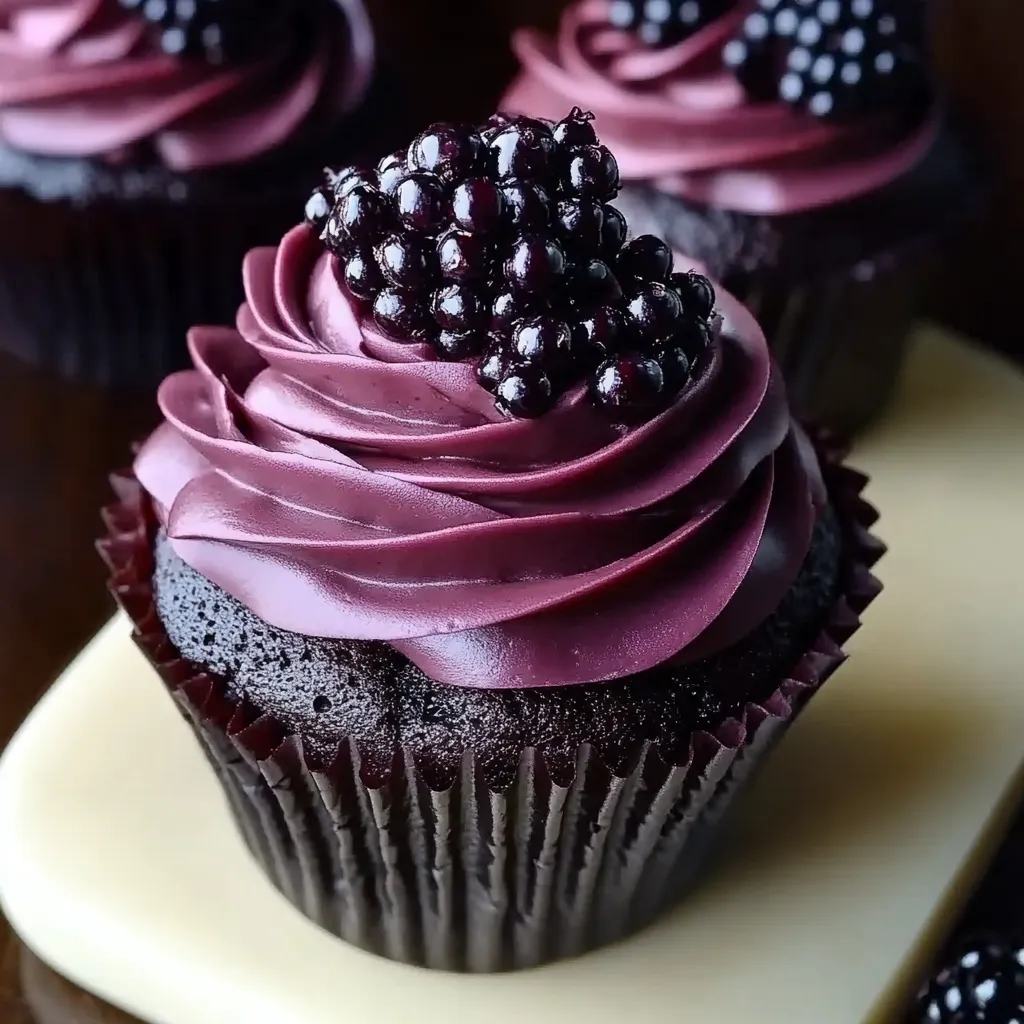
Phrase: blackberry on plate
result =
(500, 245)
(664, 22)
(982, 984)
(217, 31)
(834, 59)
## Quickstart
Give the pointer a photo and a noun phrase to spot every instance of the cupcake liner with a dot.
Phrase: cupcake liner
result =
(466, 876)
(841, 342)
(103, 270)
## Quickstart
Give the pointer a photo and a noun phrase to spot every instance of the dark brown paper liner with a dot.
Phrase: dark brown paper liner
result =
(107, 291)
(104, 287)
(466, 877)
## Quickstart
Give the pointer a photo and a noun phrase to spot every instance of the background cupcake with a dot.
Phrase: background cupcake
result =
(483, 596)
(144, 148)
(795, 149)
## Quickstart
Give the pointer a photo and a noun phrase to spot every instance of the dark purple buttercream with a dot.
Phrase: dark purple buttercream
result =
(81, 78)
(344, 485)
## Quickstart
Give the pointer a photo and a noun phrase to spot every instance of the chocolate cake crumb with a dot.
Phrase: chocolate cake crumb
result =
(328, 689)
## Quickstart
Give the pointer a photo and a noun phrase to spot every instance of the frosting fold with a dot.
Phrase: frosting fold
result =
(81, 78)
(677, 117)
(344, 485)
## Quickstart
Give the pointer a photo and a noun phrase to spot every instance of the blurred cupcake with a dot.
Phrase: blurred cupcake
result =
(144, 148)
(485, 556)
(794, 148)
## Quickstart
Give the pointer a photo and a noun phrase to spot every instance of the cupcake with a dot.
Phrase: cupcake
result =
(484, 556)
(796, 149)
(144, 148)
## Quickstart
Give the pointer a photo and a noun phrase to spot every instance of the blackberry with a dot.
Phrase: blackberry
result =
(524, 392)
(496, 362)
(630, 385)
(644, 258)
(318, 208)
(665, 22)
(498, 244)
(217, 31)
(982, 984)
(835, 59)
(392, 171)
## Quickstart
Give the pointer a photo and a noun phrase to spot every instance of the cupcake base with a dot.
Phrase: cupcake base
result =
(467, 875)
(104, 270)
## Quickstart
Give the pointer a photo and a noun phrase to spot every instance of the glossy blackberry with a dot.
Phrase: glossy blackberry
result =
(524, 148)
(318, 208)
(361, 276)
(835, 59)
(575, 129)
(493, 366)
(982, 984)
(695, 292)
(392, 171)
(613, 231)
(464, 256)
(500, 245)
(655, 312)
(525, 392)
(535, 265)
(629, 386)
(421, 204)
(398, 315)
(664, 22)
(527, 205)
(460, 309)
(644, 258)
(455, 346)
(217, 31)
(448, 151)
(592, 173)
(541, 340)
(594, 283)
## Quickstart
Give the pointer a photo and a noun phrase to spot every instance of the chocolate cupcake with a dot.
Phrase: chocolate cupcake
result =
(144, 148)
(795, 149)
(484, 556)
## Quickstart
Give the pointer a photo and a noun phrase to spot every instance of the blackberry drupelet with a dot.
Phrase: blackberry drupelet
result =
(983, 984)
(664, 22)
(499, 244)
(217, 31)
(835, 59)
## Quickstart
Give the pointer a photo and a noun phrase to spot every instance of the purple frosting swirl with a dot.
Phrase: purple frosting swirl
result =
(677, 117)
(343, 485)
(80, 78)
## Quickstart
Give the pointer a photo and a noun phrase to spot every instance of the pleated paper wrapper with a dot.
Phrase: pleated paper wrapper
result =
(469, 877)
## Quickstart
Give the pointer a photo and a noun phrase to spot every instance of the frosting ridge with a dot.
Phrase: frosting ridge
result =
(81, 78)
(345, 485)
(677, 117)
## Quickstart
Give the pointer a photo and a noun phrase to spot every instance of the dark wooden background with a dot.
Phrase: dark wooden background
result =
(58, 440)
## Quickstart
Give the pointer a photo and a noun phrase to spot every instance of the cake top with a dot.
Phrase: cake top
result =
(197, 83)
(346, 474)
(758, 106)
